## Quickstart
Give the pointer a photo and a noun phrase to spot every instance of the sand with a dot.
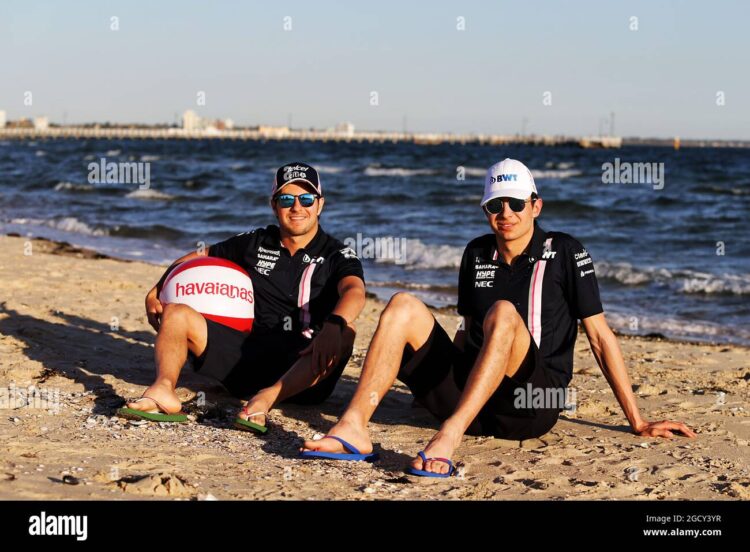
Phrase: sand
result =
(73, 325)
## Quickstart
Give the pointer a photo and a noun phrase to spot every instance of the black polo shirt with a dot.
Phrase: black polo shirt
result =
(293, 294)
(552, 285)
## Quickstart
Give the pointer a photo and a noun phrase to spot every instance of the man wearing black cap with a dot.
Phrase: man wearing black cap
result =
(309, 288)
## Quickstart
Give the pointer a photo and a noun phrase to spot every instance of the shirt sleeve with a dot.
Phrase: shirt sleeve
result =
(582, 288)
(346, 263)
(232, 249)
(464, 285)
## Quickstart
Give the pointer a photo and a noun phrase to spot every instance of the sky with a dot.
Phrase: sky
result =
(584, 58)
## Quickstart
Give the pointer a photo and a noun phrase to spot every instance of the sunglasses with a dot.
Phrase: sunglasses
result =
(495, 206)
(287, 200)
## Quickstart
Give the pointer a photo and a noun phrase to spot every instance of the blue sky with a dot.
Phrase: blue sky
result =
(660, 80)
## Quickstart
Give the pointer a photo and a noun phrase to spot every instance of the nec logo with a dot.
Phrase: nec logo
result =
(504, 178)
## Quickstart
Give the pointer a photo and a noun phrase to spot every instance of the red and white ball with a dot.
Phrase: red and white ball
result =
(218, 289)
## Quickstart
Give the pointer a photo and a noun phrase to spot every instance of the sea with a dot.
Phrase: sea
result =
(669, 237)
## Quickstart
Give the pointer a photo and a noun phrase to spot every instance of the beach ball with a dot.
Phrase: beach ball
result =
(217, 288)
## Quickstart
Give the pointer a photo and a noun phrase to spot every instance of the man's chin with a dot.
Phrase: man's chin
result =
(297, 229)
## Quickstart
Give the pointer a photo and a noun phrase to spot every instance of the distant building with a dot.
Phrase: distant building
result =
(2, 119)
(273, 132)
(41, 123)
(191, 121)
(347, 129)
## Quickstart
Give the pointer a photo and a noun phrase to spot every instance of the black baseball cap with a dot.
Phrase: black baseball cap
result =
(296, 172)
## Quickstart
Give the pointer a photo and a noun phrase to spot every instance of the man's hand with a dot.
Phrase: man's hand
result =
(153, 309)
(324, 349)
(663, 429)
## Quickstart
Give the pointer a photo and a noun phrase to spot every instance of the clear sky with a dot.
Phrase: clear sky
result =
(659, 80)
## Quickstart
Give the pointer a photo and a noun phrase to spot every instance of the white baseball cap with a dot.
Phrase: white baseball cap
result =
(508, 178)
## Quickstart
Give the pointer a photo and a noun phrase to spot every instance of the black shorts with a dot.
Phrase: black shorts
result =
(246, 363)
(437, 373)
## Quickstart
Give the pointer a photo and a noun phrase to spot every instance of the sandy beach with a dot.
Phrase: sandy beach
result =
(72, 324)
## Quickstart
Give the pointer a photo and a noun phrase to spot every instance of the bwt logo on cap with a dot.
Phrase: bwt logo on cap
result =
(504, 178)
(508, 178)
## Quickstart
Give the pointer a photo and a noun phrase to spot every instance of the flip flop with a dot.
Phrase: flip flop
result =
(353, 454)
(163, 416)
(247, 425)
(423, 473)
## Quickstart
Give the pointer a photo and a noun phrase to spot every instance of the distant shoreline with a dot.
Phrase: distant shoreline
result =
(275, 134)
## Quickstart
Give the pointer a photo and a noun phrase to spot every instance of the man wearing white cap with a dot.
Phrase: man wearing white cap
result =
(521, 292)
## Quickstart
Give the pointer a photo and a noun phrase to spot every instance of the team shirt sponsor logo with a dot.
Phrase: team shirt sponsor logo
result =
(267, 259)
(582, 259)
(295, 171)
(348, 253)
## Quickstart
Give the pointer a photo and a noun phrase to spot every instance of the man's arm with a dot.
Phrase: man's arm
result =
(608, 355)
(326, 346)
(153, 305)
(351, 298)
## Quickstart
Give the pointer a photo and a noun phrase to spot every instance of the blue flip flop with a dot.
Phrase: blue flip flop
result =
(353, 454)
(423, 473)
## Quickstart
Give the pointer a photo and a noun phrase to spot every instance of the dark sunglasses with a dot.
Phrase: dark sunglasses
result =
(495, 206)
(287, 200)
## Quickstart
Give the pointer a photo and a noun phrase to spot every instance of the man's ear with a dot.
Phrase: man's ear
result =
(321, 202)
(536, 207)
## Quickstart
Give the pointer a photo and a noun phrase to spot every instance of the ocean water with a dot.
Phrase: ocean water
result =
(673, 260)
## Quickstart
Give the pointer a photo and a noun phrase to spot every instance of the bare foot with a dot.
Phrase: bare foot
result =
(442, 445)
(161, 393)
(346, 430)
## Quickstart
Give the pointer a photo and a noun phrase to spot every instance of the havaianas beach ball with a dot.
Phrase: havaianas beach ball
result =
(217, 288)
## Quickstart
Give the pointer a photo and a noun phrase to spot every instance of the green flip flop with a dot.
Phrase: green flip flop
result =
(163, 416)
(247, 425)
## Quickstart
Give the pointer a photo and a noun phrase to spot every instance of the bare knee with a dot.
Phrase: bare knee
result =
(403, 306)
(502, 316)
(176, 314)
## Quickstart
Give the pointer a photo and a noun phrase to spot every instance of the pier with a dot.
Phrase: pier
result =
(284, 133)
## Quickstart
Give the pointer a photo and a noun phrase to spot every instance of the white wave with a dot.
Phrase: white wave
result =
(397, 171)
(683, 281)
(420, 255)
(329, 169)
(564, 171)
(113, 152)
(674, 327)
(40, 153)
(475, 171)
(73, 187)
(149, 158)
(65, 224)
(560, 174)
(149, 193)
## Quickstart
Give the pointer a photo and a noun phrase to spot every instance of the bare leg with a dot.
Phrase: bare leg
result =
(404, 321)
(182, 328)
(506, 343)
(298, 378)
